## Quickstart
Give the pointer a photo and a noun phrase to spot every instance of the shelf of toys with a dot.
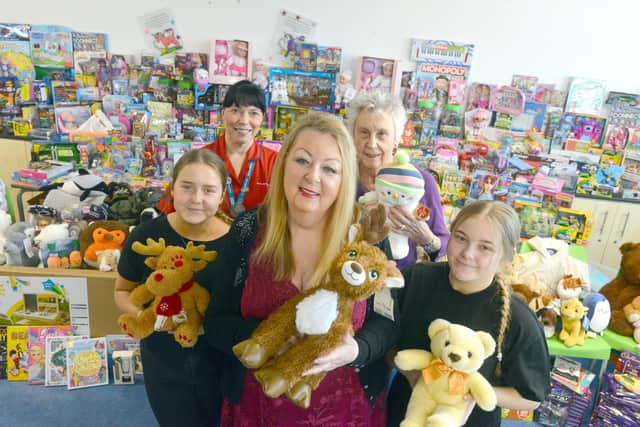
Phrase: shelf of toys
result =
(562, 157)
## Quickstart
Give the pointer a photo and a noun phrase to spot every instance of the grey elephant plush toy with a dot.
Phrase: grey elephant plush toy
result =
(18, 246)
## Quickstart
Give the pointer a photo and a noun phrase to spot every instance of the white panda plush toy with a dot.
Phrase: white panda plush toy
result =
(397, 184)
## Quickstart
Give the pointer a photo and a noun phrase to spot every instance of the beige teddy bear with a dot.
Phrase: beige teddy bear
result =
(448, 373)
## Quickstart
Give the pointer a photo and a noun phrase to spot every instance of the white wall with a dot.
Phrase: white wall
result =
(553, 39)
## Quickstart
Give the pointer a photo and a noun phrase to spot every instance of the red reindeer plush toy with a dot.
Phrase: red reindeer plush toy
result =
(179, 303)
(320, 317)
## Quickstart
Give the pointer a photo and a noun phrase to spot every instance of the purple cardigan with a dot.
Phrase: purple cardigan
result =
(430, 199)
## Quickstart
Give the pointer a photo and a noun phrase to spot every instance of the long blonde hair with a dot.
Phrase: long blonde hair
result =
(506, 222)
(275, 248)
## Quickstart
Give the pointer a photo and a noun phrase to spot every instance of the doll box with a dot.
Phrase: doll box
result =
(229, 61)
(377, 75)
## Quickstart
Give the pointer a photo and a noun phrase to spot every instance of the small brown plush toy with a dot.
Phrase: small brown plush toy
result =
(624, 288)
(320, 316)
(179, 303)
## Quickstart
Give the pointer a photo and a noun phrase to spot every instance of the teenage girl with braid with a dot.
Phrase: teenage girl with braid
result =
(467, 289)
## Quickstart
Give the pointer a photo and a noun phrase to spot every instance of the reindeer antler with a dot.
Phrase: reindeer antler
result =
(151, 248)
(198, 252)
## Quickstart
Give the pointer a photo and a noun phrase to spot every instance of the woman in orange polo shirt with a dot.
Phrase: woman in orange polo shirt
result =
(249, 163)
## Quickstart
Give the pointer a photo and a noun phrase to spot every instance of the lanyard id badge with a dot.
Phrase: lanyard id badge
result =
(237, 206)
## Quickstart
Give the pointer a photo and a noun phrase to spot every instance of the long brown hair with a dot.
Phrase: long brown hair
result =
(205, 157)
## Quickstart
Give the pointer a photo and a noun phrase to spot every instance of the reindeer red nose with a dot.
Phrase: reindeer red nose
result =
(158, 277)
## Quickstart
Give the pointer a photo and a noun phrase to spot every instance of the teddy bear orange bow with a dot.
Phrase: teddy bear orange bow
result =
(437, 369)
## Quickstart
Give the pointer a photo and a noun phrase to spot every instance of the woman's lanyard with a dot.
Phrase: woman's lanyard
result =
(237, 206)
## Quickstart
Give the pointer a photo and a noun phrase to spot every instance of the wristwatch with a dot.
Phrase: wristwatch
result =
(431, 246)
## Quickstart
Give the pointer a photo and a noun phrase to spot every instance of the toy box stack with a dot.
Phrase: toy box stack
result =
(127, 119)
(620, 400)
(571, 397)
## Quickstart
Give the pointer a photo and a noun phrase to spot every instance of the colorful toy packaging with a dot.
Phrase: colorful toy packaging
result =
(376, 75)
(285, 118)
(329, 59)
(302, 89)
(229, 61)
(620, 400)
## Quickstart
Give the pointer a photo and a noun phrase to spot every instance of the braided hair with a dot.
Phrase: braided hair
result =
(506, 222)
(505, 316)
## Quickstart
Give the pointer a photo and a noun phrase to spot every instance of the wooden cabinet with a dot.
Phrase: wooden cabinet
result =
(614, 223)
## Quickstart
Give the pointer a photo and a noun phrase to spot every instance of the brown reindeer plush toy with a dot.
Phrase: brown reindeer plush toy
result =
(319, 317)
(178, 303)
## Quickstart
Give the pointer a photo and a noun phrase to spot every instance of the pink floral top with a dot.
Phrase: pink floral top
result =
(339, 400)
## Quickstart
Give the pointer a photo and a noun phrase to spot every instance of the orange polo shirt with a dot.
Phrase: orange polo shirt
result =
(264, 157)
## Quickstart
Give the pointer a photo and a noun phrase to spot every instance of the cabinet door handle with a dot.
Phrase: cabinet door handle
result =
(624, 226)
(604, 221)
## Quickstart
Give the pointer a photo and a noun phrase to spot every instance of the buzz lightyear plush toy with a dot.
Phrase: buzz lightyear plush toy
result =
(397, 184)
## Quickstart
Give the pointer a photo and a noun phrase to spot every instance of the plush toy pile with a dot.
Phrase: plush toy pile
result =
(545, 279)
(449, 372)
(177, 302)
(320, 317)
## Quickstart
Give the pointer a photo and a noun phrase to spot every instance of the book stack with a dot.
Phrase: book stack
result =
(53, 356)
(39, 174)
